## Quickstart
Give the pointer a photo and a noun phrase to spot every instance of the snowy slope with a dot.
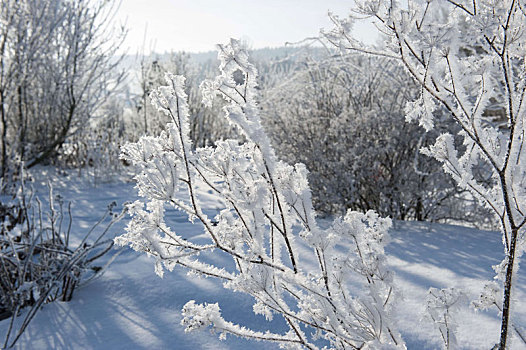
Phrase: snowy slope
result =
(130, 307)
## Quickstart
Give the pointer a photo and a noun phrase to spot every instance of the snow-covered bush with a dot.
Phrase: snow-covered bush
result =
(38, 262)
(343, 117)
(469, 57)
(267, 226)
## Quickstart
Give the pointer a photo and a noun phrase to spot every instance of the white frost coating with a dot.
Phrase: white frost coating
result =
(267, 219)
(422, 110)
(488, 297)
(242, 110)
(197, 317)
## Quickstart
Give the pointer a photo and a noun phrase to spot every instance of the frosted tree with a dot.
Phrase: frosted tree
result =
(469, 58)
(58, 66)
(267, 226)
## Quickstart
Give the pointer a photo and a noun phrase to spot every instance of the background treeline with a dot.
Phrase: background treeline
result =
(68, 99)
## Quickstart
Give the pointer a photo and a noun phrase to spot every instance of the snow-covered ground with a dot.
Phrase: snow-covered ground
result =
(130, 307)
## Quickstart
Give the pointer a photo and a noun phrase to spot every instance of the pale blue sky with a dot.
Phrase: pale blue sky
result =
(197, 25)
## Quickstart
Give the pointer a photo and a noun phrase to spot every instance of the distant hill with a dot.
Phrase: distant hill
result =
(267, 54)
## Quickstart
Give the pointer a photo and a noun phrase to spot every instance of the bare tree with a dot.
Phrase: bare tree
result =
(25, 30)
(58, 67)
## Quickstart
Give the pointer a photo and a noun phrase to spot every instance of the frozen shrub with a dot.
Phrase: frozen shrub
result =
(266, 226)
(38, 262)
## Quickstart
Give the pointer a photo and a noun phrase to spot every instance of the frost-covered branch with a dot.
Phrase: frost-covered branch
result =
(441, 307)
(267, 219)
(469, 58)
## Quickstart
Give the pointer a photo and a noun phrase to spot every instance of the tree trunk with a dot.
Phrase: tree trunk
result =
(507, 290)
(3, 137)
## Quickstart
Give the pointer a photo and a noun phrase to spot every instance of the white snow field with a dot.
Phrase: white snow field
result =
(130, 307)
